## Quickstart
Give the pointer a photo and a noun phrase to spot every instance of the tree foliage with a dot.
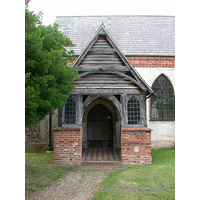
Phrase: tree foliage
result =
(48, 78)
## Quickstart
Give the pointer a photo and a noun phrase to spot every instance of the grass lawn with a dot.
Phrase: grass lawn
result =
(39, 171)
(155, 181)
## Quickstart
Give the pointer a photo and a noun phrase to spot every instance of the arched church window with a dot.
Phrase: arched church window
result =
(162, 102)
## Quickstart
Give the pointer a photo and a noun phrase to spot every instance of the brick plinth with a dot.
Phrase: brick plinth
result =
(67, 145)
(134, 139)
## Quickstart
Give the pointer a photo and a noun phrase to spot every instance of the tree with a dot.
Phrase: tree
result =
(48, 78)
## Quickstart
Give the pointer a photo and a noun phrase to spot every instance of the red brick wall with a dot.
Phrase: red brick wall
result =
(152, 61)
(136, 137)
(67, 145)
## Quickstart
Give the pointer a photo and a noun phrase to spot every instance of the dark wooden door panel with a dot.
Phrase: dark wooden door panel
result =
(100, 130)
(100, 143)
(100, 127)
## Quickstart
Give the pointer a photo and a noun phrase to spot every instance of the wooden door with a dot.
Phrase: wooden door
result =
(99, 127)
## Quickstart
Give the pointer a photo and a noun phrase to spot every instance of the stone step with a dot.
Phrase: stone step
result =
(101, 163)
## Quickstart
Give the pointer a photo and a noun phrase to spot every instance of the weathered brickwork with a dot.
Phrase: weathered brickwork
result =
(152, 61)
(133, 140)
(136, 146)
(67, 145)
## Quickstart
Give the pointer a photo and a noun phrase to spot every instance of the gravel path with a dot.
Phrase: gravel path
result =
(79, 183)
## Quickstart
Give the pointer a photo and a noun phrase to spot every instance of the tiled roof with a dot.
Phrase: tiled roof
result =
(134, 35)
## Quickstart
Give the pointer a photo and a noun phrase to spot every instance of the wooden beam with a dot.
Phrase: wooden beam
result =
(114, 72)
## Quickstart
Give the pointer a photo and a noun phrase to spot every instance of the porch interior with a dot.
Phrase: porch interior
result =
(101, 154)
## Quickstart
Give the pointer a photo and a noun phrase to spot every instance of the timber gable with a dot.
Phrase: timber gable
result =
(103, 65)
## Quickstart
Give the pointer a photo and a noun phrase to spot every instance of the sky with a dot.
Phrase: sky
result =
(53, 8)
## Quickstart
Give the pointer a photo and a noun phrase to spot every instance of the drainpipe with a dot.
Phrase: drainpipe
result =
(50, 133)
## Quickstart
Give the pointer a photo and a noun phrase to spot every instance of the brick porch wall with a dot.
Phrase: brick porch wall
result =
(67, 145)
(136, 137)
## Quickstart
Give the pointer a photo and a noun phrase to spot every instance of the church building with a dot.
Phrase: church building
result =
(124, 102)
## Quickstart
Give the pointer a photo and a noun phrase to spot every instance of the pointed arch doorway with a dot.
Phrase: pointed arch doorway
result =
(101, 136)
